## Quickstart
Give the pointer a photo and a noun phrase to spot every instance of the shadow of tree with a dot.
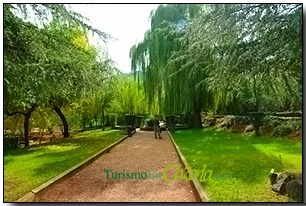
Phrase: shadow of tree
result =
(81, 140)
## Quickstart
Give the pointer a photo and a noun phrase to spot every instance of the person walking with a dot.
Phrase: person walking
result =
(156, 127)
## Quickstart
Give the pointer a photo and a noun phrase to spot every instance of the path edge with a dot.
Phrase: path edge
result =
(202, 195)
(35, 194)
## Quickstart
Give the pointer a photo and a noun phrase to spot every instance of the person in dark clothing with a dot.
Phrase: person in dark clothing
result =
(156, 127)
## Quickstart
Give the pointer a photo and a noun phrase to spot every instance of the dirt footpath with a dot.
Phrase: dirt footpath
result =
(139, 153)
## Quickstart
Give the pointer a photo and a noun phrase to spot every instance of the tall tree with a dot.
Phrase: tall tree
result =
(152, 57)
(38, 67)
(231, 58)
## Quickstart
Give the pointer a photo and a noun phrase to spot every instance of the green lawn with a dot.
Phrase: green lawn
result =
(26, 169)
(240, 165)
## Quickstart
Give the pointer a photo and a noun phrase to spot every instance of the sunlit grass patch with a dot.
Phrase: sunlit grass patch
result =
(26, 169)
(240, 164)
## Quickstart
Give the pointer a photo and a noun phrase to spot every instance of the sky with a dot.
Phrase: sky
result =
(125, 22)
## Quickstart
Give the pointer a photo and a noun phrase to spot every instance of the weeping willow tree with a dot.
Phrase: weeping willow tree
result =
(257, 63)
(226, 59)
(244, 57)
(129, 96)
(174, 93)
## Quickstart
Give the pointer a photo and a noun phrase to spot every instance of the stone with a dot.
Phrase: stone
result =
(249, 128)
(273, 177)
(223, 124)
(212, 122)
(279, 182)
(219, 120)
(279, 187)
(294, 190)
(229, 123)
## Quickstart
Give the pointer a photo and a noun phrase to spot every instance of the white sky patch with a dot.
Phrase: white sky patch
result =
(125, 22)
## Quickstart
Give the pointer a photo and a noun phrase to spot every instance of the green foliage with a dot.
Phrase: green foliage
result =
(10, 142)
(294, 124)
(45, 118)
(149, 122)
(272, 122)
(33, 70)
(129, 96)
(112, 119)
(285, 127)
(13, 124)
(281, 130)
(284, 124)
(39, 70)
(121, 119)
(227, 59)
(151, 56)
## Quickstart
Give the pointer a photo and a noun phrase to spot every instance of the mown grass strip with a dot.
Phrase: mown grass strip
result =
(26, 169)
(240, 164)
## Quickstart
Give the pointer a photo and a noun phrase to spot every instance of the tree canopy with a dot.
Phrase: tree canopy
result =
(51, 65)
(222, 58)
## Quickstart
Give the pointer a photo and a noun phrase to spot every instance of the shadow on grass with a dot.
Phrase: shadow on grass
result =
(7, 161)
(75, 148)
(53, 168)
(231, 154)
(88, 139)
(23, 151)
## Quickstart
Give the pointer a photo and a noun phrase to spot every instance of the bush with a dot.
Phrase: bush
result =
(130, 120)
(139, 121)
(107, 123)
(112, 120)
(291, 123)
(256, 119)
(121, 120)
(275, 123)
(281, 130)
(294, 124)
(10, 142)
(241, 120)
(149, 122)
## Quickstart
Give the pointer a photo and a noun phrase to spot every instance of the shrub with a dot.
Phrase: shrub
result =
(121, 120)
(112, 119)
(149, 122)
(241, 120)
(281, 130)
(256, 118)
(10, 142)
(294, 124)
(275, 123)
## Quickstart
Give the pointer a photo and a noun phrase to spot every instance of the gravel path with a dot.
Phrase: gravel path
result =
(140, 153)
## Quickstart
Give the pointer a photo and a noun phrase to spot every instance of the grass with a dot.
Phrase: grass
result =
(26, 169)
(240, 165)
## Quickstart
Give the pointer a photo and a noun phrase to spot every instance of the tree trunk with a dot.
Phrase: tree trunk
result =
(63, 118)
(103, 120)
(84, 121)
(197, 112)
(190, 120)
(83, 125)
(197, 120)
(26, 130)
(26, 125)
(26, 122)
